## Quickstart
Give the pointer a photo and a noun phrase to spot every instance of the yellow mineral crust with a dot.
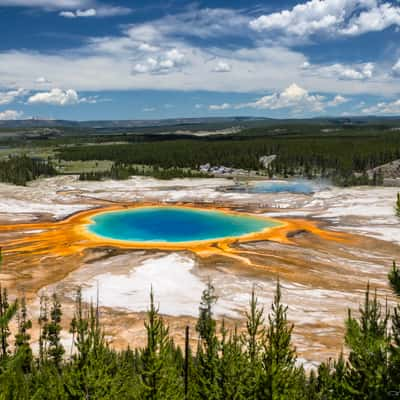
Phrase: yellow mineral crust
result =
(71, 235)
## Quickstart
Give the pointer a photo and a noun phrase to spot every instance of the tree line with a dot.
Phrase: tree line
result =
(343, 158)
(259, 363)
(19, 170)
(120, 171)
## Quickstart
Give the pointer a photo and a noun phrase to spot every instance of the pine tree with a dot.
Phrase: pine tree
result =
(331, 380)
(233, 366)
(43, 320)
(52, 331)
(7, 313)
(280, 378)
(22, 338)
(159, 377)
(394, 278)
(368, 341)
(398, 205)
(95, 371)
(207, 360)
(254, 342)
(394, 352)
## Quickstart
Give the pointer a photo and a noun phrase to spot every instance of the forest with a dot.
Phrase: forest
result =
(257, 363)
(341, 152)
(338, 158)
(20, 170)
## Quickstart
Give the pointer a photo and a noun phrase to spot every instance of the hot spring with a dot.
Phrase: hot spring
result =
(175, 224)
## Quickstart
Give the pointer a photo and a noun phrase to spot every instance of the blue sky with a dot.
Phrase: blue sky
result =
(104, 59)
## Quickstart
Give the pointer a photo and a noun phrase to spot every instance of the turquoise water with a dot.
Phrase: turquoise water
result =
(281, 186)
(174, 225)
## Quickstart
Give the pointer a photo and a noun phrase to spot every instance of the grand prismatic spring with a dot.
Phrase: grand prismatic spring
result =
(175, 225)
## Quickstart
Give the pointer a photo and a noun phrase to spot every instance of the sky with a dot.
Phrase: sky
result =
(131, 59)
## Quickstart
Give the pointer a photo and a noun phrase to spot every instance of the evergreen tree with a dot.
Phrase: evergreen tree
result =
(368, 341)
(394, 352)
(233, 379)
(280, 378)
(207, 360)
(51, 334)
(22, 338)
(331, 381)
(398, 205)
(254, 342)
(394, 278)
(7, 313)
(159, 377)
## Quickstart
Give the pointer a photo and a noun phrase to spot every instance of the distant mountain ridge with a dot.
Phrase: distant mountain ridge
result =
(36, 123)
(43, 123)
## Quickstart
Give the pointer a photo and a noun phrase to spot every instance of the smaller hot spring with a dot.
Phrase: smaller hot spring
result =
(300, 187)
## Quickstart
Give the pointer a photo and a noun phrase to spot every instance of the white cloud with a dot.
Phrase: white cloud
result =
(293, 97)
(10, 115)
(383, 108)
(90, 12)
(146, 47)
(333, 17)
(375, 19)
(362, 71)
(101, 11)
(337, 101)
(56, 97)
(149, 109)
(396, 68)
(222, 66)
(50, 4)
(41, 80)
(11, 95)
(170, 60)
(204, 23)
(157, 56)
(218, 107)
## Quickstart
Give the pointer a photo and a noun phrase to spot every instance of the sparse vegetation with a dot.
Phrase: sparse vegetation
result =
(260, 363)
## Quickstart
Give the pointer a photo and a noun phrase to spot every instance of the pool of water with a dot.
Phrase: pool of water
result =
(283, 186)
(174, 224)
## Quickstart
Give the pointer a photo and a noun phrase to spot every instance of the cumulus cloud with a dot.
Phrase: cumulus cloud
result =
(101, 11)
(90, 12)
(334, 17)
(56, 97)
(362, 71)
(396, 68)
(376, 18)
(170, 60)
(383, 108)
(293, 97)
(10, 115)
(11, 95)
(161, 55)
(337, 101)
(222, 66)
